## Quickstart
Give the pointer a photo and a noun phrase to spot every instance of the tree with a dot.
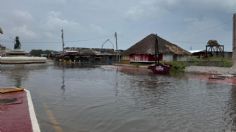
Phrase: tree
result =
(36, 52)
(213, 43)
(39, 52)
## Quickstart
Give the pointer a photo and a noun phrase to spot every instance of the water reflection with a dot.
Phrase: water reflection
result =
(116, 82)
(152, 89)
(17, 73)
(63, 81)
(105, 99)
(231, 110)
(73, 65)
(20, 72)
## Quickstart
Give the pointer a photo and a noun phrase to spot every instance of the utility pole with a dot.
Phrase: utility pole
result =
(63, 44)
(117, 54)
(116, 40)
(62, 39)
(156, 51)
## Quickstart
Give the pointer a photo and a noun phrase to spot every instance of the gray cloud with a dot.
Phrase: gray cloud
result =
(189, 23)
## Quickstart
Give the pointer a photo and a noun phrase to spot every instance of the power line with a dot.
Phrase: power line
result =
(80, 40)
(68, 41)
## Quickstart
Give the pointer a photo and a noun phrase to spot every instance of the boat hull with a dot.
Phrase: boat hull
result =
(17, 112)
(160, 69)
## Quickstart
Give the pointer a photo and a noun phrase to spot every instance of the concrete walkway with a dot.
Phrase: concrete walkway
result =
(210, 70)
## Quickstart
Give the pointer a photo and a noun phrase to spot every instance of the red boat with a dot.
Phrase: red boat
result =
(17, 111)
(159, 68)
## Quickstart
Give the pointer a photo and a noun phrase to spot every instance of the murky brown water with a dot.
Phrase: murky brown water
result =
(104, 99)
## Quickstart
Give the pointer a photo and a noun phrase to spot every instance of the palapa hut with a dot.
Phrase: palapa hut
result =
(144, 51)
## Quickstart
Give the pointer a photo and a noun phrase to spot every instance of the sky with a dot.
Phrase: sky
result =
(89, 23)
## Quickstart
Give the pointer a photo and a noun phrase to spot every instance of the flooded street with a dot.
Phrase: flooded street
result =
(105, 99)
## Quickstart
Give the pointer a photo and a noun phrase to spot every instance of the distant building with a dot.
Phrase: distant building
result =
(144, 51)
(202, 53)
(198, 53)
(228, 54)
(89, 55)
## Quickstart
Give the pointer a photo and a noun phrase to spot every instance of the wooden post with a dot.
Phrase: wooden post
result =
(62, 39)
(117, 56)
(157, 61)
(63, 44)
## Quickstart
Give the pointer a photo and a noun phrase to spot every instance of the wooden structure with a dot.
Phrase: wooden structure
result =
(214, 48)
(159, 68)
(145, 58)
(144, 51)
(87, 55)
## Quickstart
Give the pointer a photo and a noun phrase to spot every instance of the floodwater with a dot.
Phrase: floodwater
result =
(107, 99)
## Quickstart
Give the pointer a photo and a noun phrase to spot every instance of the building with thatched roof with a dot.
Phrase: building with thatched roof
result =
(144, 50)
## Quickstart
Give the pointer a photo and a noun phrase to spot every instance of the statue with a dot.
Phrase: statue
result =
(17, 43)
(1, 32)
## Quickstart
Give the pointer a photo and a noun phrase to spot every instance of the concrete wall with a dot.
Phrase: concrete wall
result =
(182, 58)
(167, 57)
(171, 57)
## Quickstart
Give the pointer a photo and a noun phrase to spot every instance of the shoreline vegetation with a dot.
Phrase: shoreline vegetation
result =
(196, 65)
(191, 69)
(209, 66)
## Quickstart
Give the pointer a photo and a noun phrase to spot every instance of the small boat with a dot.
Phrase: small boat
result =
(217, 77)
(159, 68)
(16, 111)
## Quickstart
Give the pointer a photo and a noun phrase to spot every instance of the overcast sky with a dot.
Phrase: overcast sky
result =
(88, 23)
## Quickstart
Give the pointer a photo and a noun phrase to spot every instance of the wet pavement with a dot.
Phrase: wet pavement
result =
(111, 99)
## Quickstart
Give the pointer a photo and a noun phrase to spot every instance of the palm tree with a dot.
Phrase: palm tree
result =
(1, 32)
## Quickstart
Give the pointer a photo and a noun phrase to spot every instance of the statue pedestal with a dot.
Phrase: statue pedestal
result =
(20, 57)
(17, 52)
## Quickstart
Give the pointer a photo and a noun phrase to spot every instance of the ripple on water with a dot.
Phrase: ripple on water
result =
(105, 99)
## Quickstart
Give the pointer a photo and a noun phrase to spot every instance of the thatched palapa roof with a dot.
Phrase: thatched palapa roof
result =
(147, 46)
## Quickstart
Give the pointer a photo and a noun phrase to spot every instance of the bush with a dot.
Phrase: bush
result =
(210, 61)
(227, 63)
(177, 66)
